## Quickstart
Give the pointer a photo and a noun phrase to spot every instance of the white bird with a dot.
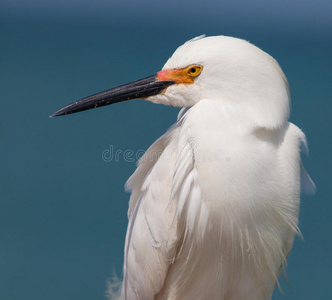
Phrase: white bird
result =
(214, 201)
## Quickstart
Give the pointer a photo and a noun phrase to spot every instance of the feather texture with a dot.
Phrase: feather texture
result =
(179, 219)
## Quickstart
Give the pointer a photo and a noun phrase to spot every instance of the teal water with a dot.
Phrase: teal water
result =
(63, 207)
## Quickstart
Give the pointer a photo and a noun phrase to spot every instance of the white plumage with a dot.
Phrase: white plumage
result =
(215, 201)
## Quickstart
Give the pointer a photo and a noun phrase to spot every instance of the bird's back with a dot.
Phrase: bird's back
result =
(209, 213)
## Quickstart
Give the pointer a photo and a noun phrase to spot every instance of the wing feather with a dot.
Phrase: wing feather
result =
(165, 208)
(154, 232)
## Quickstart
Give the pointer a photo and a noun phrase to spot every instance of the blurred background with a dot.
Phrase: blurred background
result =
(63, 209)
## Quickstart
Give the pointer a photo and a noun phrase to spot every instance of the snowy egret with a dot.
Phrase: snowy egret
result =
(214, 201)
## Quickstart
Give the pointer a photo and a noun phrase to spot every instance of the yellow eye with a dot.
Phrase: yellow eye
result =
(194, 70)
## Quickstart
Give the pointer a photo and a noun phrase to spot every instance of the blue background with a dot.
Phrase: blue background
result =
(62, 207)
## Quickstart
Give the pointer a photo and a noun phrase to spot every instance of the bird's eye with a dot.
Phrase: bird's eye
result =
(194, 71)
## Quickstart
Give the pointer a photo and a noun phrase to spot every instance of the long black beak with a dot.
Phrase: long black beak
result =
(142, 88)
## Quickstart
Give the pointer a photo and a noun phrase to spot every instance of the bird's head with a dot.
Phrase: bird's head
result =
(244, 78)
